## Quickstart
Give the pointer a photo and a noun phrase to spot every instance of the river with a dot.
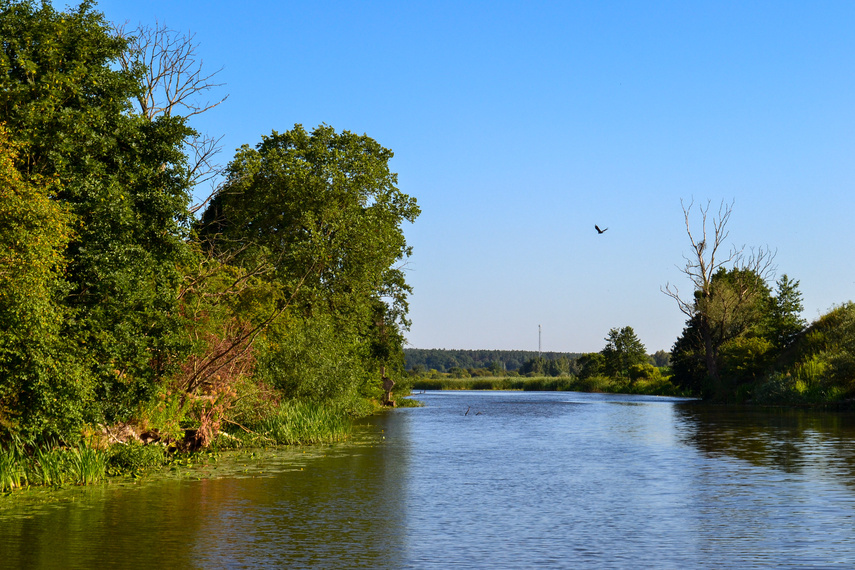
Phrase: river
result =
(486, 480)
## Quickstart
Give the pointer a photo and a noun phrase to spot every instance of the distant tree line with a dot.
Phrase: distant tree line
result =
(443, 360)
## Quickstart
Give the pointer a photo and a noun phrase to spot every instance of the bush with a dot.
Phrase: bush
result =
(135, 458)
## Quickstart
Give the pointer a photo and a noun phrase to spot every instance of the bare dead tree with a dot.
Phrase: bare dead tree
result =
(174, 83)
(172, 76)
(720, 306)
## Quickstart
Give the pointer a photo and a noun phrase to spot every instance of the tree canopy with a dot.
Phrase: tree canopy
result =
(122, 180)
(623, 349)
(322, 211)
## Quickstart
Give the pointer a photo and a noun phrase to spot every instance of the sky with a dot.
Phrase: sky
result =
(519, 125)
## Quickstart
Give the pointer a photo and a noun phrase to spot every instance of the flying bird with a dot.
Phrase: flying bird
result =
(599, 231)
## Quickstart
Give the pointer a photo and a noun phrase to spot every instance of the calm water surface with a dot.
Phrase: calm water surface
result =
(489, 480)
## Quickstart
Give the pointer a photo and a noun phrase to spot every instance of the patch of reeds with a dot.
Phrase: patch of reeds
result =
(22, 465)
(12, 471)
(298, 423)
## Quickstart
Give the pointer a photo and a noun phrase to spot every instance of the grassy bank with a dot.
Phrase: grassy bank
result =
(52, 464)
(654, 387)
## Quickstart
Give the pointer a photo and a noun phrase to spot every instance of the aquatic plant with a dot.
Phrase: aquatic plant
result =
(305, 423)
(87, 465)
(12, 471)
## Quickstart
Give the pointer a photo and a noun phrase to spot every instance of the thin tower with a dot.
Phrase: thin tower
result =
(538, 341)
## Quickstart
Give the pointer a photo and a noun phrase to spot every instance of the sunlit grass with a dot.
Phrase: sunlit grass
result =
(299, 423)
(659, 386)
(50, 465)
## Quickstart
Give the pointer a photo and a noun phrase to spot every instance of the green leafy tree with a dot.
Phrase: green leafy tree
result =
(734, 327)
(623, 349)
(323, 210)
(644, 371)
(687, 359)
(591, 364)
(783, 321)
(123, 178)
(42, 392)
(724, 302)
(661, 358)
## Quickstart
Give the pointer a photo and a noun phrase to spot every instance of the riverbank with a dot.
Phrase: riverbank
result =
(54, 465)
(205, 465)
(653, 387)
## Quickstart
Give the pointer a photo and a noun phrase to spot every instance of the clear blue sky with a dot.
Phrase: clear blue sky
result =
(518, 126)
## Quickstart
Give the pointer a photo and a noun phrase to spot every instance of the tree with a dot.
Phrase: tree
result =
(591, 364)
(172, 81)
(784, 321)
(323, 210)
(723, 303)
(41, 389)
(661, 358)
(122, 177)
(623, 349)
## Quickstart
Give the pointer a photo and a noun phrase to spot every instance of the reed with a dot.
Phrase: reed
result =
(298, 423)
(87, 465)
(12, 472)
(49, 465)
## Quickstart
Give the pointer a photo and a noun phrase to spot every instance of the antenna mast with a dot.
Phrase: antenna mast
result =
(538, 341)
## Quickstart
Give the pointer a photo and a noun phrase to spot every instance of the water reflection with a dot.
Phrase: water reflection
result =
(818, 444)
(343, 509)
(346, 513)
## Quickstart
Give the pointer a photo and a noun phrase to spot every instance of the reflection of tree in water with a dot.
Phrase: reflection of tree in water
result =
(821, 444)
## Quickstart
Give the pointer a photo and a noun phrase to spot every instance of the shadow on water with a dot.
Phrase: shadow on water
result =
(340, 510)
(816, 443)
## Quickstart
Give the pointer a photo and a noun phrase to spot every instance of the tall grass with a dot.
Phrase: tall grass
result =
(298, 423)
(12, 471)
(49, 465)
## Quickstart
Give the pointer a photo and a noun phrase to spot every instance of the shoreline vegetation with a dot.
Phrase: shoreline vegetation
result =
(603, 384)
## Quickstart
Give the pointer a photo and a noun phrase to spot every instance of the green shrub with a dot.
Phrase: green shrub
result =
(135, 458)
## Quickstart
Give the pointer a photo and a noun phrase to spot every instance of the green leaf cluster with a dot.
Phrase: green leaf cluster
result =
(622, 351)
(322, 211)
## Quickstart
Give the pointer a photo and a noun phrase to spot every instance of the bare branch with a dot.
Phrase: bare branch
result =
(172, 76)
(202, 168)
(173, 83)
(705, 259)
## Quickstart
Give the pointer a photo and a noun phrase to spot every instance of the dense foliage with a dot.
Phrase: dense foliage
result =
(118, 309)
(121, 180)
(765, 352)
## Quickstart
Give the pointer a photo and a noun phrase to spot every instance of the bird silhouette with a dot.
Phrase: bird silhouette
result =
(599, 231)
